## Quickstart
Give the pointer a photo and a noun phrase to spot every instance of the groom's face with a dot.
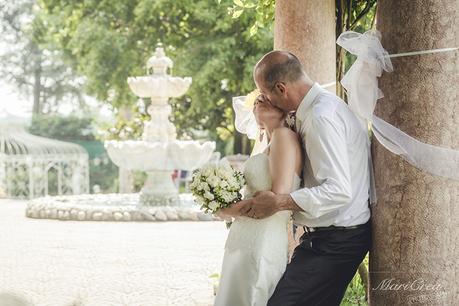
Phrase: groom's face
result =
(273, 95)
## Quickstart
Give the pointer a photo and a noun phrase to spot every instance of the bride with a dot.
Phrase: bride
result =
(256, 250)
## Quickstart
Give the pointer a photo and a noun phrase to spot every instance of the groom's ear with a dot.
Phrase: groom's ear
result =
(281, 87)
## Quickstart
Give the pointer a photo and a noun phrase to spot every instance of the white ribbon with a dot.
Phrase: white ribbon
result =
(422, 52)
(244, 122)
(361, 84)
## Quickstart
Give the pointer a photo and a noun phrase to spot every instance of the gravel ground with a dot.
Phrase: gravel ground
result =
(52, 262)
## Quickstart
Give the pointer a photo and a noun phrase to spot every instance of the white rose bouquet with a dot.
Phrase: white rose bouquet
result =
(216, 186)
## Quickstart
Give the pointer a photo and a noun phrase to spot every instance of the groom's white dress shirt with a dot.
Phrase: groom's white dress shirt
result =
(336, 177)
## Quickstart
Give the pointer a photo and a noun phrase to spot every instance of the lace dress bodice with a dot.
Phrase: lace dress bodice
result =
(258, 178)
(257, 175)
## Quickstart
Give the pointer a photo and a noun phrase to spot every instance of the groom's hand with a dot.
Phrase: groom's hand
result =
(234, 210)
(262, 205)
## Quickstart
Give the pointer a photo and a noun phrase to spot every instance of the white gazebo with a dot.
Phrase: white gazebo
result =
(33, 166)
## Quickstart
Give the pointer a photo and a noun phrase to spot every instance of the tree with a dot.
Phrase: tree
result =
(35, 68)
(107, 41)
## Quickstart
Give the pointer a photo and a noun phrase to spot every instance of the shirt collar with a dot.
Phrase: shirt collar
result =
(307, 100)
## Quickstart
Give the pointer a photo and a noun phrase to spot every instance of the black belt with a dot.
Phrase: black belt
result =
(308, 229)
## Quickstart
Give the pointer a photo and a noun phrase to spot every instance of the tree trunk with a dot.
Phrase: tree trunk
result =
(241, 144)
(37, 86)
(416, 221)
(307, 29)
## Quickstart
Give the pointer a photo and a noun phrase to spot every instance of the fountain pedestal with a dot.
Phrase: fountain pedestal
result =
(159, 190)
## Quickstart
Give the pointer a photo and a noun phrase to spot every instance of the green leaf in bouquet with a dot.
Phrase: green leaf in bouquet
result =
(215, 275)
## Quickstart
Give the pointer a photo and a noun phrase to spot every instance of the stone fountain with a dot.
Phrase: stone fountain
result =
(159, 152)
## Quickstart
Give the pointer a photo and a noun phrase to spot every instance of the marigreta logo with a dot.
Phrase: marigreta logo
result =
(391, 284)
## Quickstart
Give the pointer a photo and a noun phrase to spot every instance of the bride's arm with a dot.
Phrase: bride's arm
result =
(283, 159)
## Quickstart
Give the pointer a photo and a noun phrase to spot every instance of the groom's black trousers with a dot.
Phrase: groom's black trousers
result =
(322, 266)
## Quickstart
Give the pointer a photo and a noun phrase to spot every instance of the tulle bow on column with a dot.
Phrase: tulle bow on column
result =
(361, 84)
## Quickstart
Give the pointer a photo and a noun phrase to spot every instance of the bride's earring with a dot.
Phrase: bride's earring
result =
(262, 134)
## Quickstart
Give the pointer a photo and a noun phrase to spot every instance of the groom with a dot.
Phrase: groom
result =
(332, 206)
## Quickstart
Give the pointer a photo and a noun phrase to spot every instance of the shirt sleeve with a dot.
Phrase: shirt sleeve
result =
(325, 144)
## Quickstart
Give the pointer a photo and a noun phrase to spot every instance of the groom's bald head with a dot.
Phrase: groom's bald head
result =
(278, 66)
(281, 80)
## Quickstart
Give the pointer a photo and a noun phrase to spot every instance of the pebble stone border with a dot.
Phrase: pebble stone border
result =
(113, 207)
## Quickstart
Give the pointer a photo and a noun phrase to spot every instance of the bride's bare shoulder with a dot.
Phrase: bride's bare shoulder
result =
(286, 149)
(284, 135)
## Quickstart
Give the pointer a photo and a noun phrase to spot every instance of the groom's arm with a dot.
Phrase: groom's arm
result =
(286, 202)
(325, 144)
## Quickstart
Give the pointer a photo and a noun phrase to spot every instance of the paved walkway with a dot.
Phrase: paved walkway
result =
(51, 262)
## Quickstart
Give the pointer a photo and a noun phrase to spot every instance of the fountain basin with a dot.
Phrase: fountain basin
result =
(160, 156)
(159, 159)
(159, 86)
(113, 207)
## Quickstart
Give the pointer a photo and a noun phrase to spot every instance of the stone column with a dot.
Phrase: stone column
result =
(416, 220)
(307, 29)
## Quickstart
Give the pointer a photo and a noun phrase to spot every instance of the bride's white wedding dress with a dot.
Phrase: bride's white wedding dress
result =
(256, 251)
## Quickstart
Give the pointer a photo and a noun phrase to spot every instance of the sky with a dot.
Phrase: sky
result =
(12, 102)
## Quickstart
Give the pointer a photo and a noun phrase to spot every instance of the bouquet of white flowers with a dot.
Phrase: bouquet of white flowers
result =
(216, 186)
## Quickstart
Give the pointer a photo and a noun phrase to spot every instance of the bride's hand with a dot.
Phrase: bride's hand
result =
(233, 211)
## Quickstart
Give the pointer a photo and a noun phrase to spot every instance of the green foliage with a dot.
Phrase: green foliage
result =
(126, 127)
(107, 41)
(355, 293)
(62, 128)
(354, 15)
(264, 10)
